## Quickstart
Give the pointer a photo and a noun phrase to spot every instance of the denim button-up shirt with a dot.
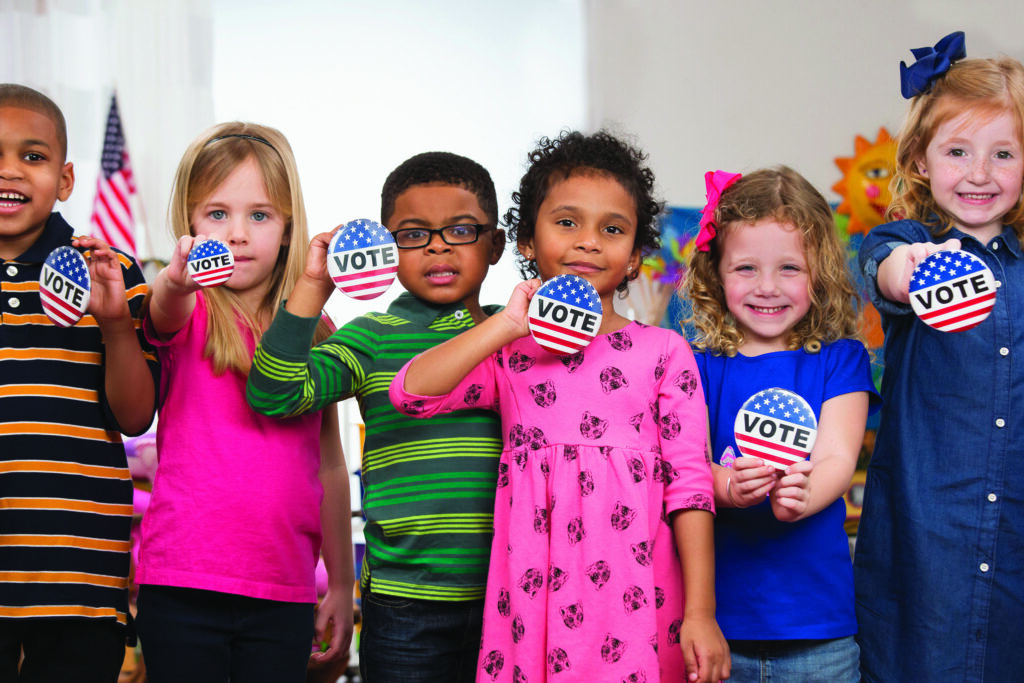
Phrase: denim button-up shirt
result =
(939, 567)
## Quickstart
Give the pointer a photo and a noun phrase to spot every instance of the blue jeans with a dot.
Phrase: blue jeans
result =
(405, 640)
(196, 635)
(805, 661)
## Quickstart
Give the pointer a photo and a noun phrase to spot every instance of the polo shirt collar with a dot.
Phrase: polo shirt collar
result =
(423, 312)
(57, 233)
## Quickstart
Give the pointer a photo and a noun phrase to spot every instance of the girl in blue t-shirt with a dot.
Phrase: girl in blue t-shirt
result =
(773, 305)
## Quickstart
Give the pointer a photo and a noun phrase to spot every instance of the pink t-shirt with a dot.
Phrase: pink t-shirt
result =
(236, 500)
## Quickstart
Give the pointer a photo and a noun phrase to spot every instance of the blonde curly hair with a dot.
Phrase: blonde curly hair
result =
(782, 195)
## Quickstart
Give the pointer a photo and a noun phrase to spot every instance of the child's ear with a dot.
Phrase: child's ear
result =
(634, 264)
(526, 249)
(497, 245)
(921, 168)
(66, 182)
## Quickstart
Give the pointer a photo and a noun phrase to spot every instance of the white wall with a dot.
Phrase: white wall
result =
(157, 56)
(742, 84)
(360, 86)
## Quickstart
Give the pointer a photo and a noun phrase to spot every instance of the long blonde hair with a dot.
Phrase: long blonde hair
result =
(783, 195)
(987, 88)
(207, 163)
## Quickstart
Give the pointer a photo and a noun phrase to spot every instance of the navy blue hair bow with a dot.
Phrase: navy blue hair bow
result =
(931, 63)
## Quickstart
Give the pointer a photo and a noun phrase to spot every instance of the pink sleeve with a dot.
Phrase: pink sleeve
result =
(176, 339)
(478, 389)
(682, 433)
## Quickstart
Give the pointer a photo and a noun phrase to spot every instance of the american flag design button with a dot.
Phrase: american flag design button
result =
(210, 263)
(362, 259)
(777, 426)
(64, 286)
(565, 314)
(952, 291)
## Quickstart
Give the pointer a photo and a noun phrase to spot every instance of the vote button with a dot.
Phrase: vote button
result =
(952, 291)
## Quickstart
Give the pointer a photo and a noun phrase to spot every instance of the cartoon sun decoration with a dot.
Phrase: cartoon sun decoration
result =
(865, 183)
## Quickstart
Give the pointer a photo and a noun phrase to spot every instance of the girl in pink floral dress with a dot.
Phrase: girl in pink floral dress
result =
(602, 566)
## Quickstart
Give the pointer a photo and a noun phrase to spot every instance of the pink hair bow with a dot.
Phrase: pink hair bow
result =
(717, 182)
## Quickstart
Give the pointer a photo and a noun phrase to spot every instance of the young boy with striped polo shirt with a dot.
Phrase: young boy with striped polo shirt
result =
(65, 393)
(429, 484)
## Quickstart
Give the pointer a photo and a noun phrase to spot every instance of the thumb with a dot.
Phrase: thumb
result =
(692, 667)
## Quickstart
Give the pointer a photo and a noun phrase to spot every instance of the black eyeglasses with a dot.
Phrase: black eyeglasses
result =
(417, 238)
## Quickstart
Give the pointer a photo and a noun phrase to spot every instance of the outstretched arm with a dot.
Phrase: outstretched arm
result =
(895, 271)
(439, 369)
(810, 486)
(704, 647)
(287, 377)
(336, 525)
(127, 381)
(174, 292)
(314, 287)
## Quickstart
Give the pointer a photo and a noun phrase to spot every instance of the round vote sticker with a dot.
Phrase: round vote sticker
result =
(565, 314)
(210, 263)
(952, 291)
(64, 286)
(777, 426)
(362, 259)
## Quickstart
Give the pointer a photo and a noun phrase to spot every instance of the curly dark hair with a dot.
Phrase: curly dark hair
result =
(573, 153)
(440, 167)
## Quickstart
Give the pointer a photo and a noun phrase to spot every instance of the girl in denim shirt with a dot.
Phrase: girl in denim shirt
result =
(940, 593)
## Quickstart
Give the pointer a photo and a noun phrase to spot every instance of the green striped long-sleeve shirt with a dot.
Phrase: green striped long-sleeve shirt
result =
(429, 484)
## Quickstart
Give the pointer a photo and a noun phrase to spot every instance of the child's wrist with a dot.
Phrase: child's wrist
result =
(309, 296)
(119, 324)
(175, 287)
(512, 327)
(728, 494)
(698, 611)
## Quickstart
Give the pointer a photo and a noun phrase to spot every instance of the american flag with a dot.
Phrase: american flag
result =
(64, 286)
(952, 291)
(565, 314)
(210, 263)
(777, 426)
(111, 212)
(362, 259)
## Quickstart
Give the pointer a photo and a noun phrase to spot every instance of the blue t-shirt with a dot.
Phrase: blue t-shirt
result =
(781, 580)
(940, 550)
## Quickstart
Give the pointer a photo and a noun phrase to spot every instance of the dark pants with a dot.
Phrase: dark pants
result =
(80, 650)
(195, 635)
(404, 640)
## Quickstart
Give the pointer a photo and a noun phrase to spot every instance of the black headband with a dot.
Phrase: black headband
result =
(244, 136)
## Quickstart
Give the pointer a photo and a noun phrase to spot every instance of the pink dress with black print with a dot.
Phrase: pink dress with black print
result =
(599, 448)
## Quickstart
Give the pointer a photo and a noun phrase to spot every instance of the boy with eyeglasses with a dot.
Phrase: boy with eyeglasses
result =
(429, 484)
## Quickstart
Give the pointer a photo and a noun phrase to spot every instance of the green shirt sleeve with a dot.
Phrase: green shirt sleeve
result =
(289, 378)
